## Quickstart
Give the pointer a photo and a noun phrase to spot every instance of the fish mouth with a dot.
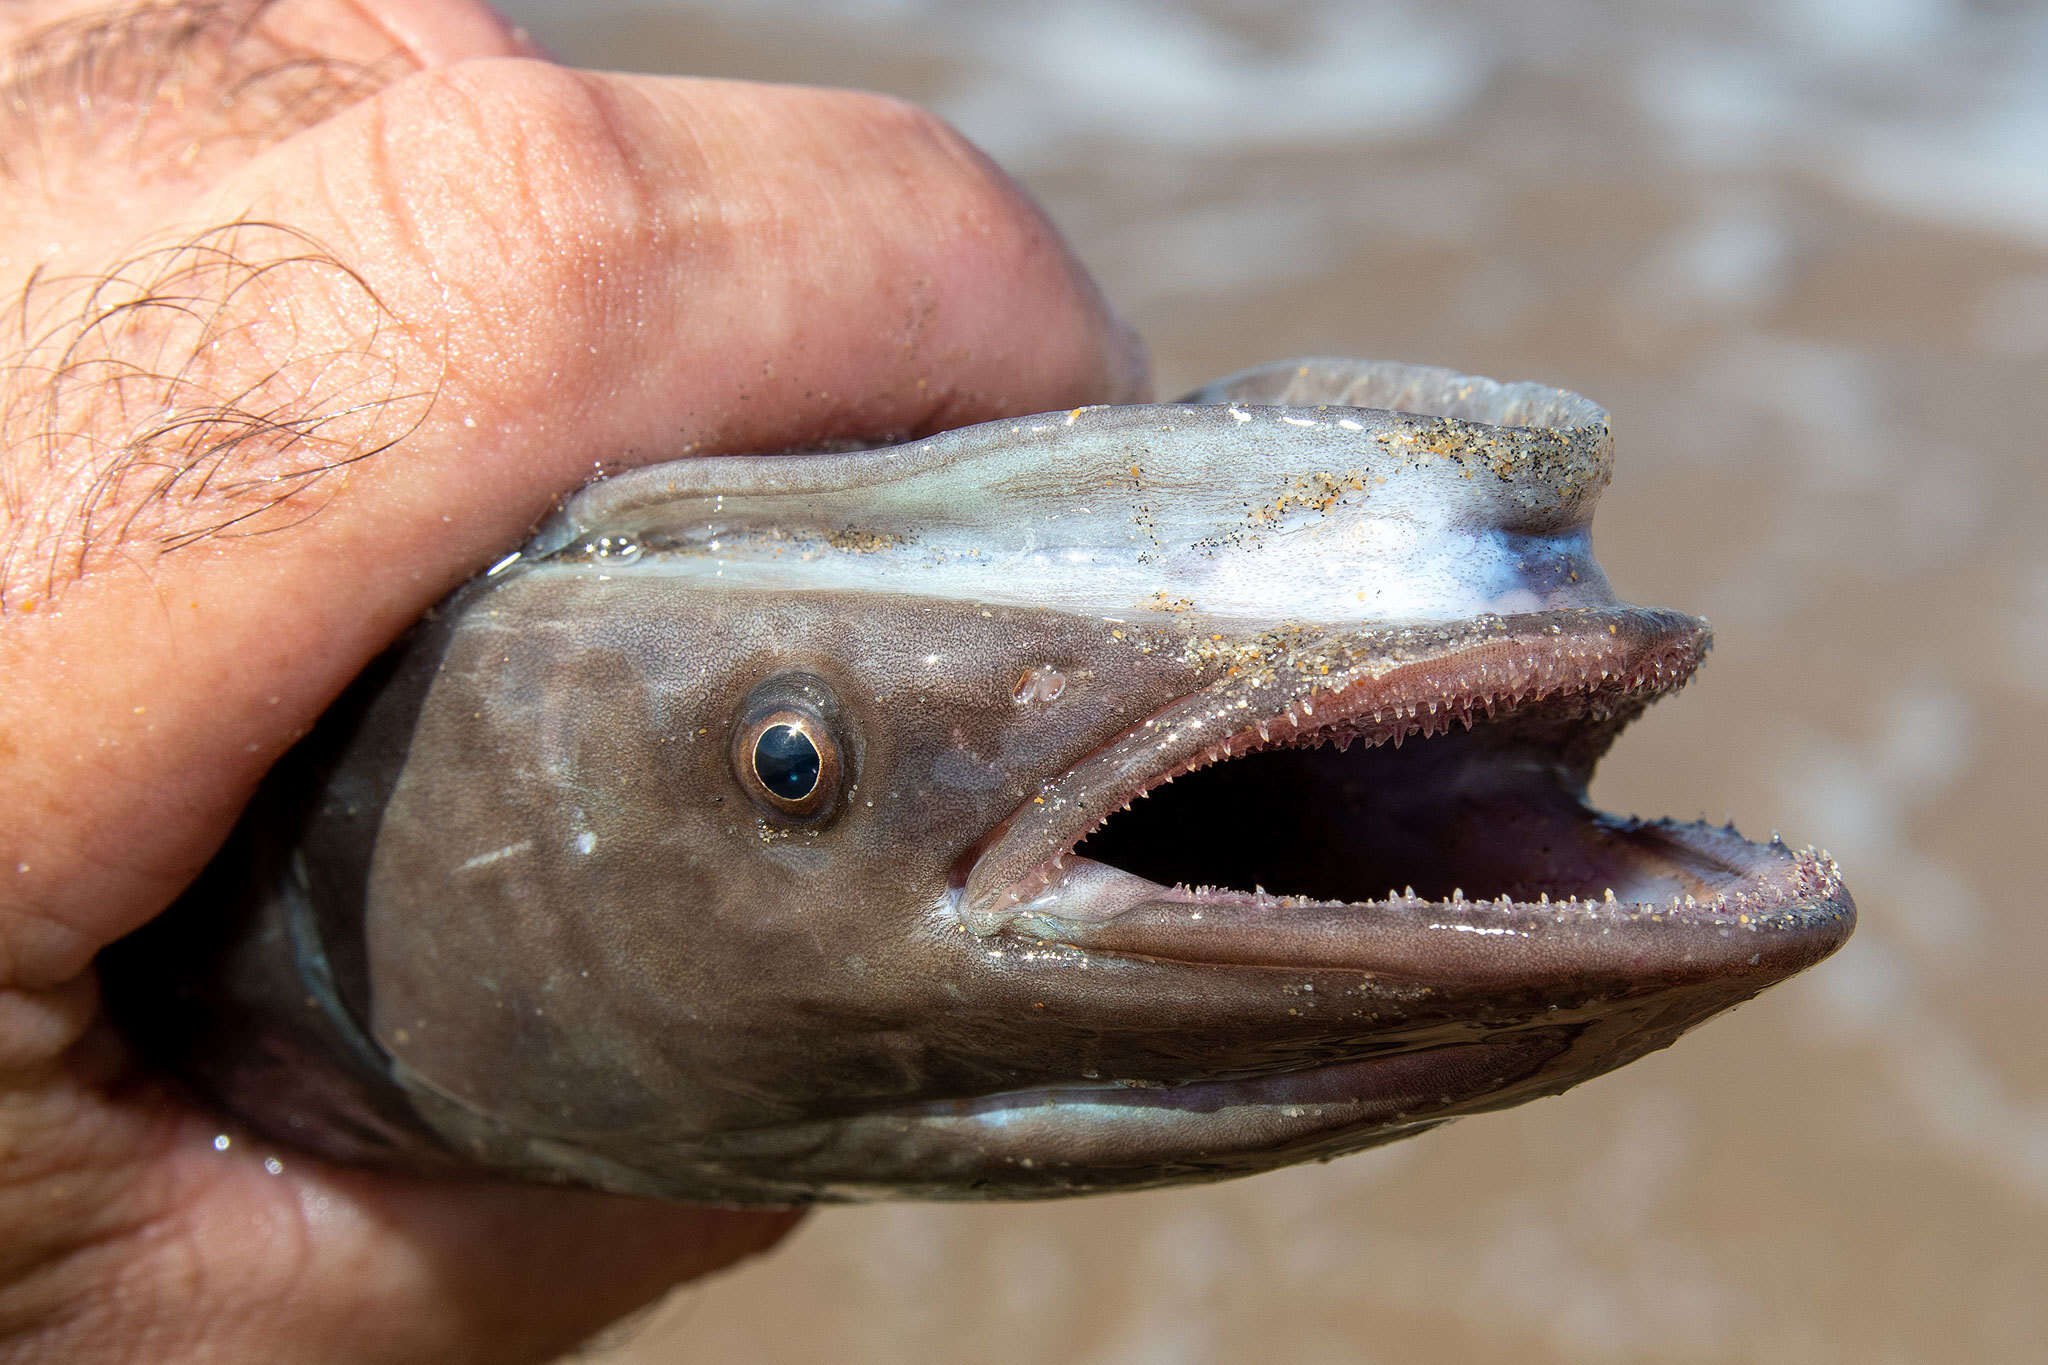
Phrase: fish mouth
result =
(1409, 804)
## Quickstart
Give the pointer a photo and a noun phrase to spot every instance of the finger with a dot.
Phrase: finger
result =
(127, 1218)
(499, 276)
(112, 115)
(342, 1266)
(515, 1273)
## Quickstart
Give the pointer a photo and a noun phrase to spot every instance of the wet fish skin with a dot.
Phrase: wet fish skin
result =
(514, 908)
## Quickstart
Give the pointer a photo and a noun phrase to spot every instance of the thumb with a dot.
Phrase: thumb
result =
(273, 442)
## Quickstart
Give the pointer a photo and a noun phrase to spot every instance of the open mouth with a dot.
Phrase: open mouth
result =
(1411, 804)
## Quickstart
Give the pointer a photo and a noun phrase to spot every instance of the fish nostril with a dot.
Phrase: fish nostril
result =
(1043, 683)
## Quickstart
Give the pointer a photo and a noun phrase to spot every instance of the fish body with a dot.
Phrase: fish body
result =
(1093, 800)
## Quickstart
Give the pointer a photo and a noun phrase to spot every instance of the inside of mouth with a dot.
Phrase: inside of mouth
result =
(1496, 811)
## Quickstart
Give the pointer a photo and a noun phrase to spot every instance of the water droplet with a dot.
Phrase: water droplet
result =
(618, 549)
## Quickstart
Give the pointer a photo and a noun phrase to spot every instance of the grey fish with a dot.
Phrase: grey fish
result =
(1096, 800)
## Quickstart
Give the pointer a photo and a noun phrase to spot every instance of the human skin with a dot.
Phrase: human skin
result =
(308, 310)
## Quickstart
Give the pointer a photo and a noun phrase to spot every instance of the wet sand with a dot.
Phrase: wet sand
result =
(1804, 262)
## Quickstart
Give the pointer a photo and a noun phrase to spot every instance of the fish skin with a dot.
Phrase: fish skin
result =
(514, 909)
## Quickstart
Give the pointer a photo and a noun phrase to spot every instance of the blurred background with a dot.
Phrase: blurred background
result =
(1800, 250)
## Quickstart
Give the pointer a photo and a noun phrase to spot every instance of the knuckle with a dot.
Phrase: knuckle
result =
(529, 144)
(520, 186)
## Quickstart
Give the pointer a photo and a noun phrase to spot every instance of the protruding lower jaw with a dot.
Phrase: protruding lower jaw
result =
(1410, 805)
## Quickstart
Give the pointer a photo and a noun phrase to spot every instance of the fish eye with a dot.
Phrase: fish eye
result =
(787, 752)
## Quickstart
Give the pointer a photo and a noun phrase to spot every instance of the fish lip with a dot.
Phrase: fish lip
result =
(1776, 911)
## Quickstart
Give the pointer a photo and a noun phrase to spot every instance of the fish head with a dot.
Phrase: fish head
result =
(1093, 800)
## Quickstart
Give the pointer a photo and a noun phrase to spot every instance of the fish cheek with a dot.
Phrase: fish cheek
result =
(578, 921)
(565, 876)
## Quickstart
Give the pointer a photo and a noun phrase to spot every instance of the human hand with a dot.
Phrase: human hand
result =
(308, 309)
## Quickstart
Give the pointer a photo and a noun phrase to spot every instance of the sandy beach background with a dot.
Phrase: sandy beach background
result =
(1800, 251)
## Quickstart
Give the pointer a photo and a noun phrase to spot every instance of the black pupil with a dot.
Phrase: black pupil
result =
(786, 762)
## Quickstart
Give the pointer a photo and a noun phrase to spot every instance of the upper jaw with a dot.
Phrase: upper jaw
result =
(1633, 903)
